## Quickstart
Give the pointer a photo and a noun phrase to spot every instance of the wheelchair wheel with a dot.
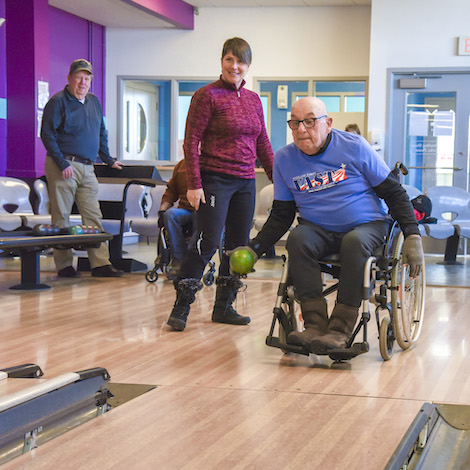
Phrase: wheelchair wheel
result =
(151, 276)
(407, 299)
(386, 338)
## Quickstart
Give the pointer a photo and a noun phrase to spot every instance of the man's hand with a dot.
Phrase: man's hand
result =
(67, 173)
(117, 165)
(413, 254)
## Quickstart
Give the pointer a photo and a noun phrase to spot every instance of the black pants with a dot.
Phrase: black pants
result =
(229, 203)
(308, 243)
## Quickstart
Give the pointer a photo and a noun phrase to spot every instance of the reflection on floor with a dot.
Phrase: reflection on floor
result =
(438, 274)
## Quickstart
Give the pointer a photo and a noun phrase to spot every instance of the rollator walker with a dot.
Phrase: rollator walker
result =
(399, 303)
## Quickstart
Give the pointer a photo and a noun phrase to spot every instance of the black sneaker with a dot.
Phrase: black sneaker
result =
(69, 271)
(106, 271)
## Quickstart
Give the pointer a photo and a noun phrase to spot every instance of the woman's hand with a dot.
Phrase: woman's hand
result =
(195, 197)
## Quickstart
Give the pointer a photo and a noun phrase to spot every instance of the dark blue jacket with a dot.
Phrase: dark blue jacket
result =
(72, 128)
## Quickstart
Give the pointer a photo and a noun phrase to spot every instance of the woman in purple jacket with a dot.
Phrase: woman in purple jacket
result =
(225, 134)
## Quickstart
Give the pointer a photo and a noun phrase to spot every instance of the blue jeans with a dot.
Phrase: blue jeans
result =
(178, 224)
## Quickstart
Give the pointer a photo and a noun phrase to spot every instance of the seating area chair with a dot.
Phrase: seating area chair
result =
(15, 203)
(148, 227)
(444, 201)
(264, 204)
(454, 201)
(411, 191)
(43, 206)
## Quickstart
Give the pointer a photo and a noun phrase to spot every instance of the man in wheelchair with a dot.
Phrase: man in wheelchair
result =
(336, 181)
(179, 222)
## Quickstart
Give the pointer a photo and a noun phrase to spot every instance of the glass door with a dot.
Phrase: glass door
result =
(428, 127)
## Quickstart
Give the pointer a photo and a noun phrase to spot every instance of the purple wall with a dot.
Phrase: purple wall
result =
(64, 30)
(3, 91)
(41, 42)
(27, 52)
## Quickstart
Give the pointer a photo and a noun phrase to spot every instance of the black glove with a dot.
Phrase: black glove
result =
(161, 219)
(413, 254)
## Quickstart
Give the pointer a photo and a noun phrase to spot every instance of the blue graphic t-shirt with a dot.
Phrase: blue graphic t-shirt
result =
(334, 189)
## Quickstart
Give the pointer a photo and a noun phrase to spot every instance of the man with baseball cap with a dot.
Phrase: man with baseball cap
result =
(74, 135)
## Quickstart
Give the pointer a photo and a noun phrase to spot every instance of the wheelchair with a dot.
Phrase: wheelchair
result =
(163, 259)
(399, 303)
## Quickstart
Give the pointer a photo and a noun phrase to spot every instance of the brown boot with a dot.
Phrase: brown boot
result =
(340, 328)
(314, 313)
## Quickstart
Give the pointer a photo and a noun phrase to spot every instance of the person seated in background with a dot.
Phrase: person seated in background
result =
(353, 128)
(336, 181)
(178, 221)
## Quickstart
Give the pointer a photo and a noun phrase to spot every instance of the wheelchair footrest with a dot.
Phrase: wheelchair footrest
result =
(276, 343)
(348, 353)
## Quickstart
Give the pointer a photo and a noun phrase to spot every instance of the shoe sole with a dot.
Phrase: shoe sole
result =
(245, 322)
(176, 324)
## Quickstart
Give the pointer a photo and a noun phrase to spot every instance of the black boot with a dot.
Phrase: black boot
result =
(227, 289)
(314, 313)
(185, 295)
(340, 328)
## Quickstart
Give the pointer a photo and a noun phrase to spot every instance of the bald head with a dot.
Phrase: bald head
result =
(310, 139)
(310, 104)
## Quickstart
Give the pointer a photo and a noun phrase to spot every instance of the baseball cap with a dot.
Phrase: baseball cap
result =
(80, 64)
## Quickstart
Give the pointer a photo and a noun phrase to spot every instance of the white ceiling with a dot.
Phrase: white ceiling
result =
(118, 14)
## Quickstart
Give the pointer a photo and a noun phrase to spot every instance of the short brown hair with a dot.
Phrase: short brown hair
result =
(239, 48)
(354, 128)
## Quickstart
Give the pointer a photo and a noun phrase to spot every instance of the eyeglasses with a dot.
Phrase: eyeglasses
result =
(308, 123)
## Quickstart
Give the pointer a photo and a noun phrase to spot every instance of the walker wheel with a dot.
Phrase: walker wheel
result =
(208, 279)
(386, 338)
(151, 276)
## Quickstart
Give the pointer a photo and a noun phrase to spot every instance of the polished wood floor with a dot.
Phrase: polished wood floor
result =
(223, 400)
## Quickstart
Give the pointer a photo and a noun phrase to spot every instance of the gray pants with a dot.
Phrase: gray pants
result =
(307, 243)
(83, 190)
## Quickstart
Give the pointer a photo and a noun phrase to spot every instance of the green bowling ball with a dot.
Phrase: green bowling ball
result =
(75, 230)
(242, 261)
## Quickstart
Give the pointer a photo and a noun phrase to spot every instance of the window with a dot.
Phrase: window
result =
(345, 102)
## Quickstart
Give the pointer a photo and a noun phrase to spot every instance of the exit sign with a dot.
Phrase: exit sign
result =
(464, 45)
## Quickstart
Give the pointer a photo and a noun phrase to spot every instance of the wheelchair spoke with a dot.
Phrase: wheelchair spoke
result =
(407, 300)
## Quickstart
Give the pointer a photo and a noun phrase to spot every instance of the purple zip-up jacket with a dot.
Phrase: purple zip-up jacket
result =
(225, 133)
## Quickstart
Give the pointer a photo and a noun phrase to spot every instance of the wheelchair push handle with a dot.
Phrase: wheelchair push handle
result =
(399, 168)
